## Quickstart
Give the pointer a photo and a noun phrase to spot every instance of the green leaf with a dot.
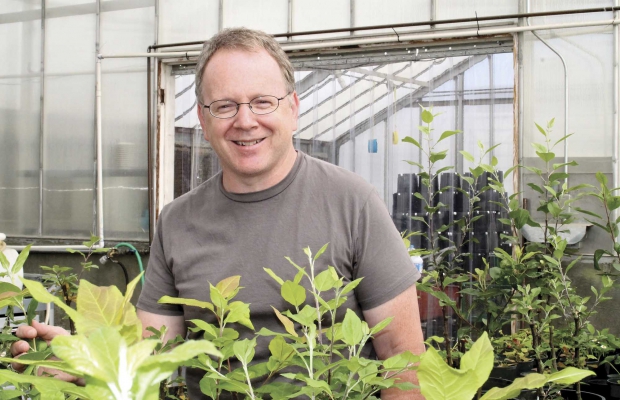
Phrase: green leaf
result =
(613, 202)
(49, 388)
(209, 329)
(321, 251)
(494, 161)
(427, 117)
(546, 157)
(228, 286)
(415, 163)
(381, 325)
(326, 280)
(601, 178)
(558, 176)
(531, 381)
(439, 381)
(554, 209)
(581, 210)
(540, 129)
(274, 276)
(479, 359)
(409, 139)
(350, 286)
(447, 134)
(43, 296)
(536, 188)
(293, 293)
(280, 349)
(569, 375)
(467, 156)
(352, 328)
(186, 302)
(434, 157)
(239, 312)
(244, 350)
(21, 259)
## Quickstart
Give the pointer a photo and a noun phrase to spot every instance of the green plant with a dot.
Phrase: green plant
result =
(328, 359)
(63, 281)
(440, 381)
(107, 352)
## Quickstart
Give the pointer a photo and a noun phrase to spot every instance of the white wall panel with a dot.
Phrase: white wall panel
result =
(379, 12)
(270, 16)
(186, 21)
(311, 15)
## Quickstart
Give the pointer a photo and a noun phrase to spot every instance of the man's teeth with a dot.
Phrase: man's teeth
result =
(252, 143)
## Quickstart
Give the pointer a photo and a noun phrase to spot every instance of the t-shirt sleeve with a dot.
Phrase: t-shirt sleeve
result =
(158, 279)
(381, 257)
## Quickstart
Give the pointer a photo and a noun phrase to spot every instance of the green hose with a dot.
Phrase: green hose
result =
(137, 257)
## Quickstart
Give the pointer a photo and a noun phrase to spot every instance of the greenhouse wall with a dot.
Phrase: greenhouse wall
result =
(49, 49)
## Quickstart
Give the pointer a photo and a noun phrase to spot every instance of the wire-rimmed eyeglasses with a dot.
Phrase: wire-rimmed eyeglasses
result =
(260, 105)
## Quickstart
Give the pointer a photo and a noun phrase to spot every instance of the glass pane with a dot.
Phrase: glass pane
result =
(20, 116)
(68, 127)
(124, 124)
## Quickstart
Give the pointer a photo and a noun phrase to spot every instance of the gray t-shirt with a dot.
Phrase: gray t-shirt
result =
(209, 234)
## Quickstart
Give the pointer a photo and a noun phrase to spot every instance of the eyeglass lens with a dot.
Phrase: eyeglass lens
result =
(228, 108)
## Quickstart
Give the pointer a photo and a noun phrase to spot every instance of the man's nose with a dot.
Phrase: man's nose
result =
(245, 118)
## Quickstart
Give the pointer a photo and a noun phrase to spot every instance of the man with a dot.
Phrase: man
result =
(270, 202)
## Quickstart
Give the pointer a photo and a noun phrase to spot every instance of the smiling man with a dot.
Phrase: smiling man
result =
(269, 202)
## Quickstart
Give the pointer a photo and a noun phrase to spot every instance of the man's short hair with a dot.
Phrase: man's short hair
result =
(247, 40)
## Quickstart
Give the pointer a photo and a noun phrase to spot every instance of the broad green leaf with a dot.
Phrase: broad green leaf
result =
(326, 280)
(4, 262)
(50, 388)
(427, 116)
(536, 188)
(440, 155)
(494, 161)
(531, 381)
(417, 164)
(96, 356)
(409, 139)
(186, 302)
(209, 329)
(228, 286)
(581, 210)
(546, 157)
(288, 324)
(613, 202)
(569, 375)
(244, 350)
(479, 359)
(239, 312)
(274, 276)
(293, 293)
(540, 129)
(352, 328)
(216, 297)
(43, 296)
(558, 176)
(554, 209)
(280, 349)
(447, 134)
(98, 307)
(467, 156)
(438, 381)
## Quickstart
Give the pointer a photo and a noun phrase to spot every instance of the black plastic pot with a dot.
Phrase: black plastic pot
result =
(525, 366)
(508, 372)
(596, 385)
(569, 394)
(614, 388)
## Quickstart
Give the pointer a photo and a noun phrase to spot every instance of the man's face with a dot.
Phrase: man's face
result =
(252, 148)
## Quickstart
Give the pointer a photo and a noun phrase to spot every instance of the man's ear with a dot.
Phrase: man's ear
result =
(295, 109)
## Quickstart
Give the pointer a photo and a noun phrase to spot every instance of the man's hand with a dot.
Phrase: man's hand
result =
(44, 332)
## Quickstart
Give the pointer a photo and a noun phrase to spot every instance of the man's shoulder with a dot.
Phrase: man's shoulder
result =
(189, 202)
(333, 176)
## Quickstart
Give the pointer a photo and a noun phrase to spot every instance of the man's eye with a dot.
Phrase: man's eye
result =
(224, 107)
(262, 103)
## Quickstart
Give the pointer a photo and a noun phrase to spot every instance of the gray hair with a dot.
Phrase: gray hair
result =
(248, 40)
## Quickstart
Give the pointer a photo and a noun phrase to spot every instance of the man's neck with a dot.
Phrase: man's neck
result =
(260, 182)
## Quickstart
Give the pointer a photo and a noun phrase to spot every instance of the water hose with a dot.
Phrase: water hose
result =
(135, 251)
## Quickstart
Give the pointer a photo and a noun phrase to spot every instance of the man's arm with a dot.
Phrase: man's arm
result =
(403, 333)
(175, 324)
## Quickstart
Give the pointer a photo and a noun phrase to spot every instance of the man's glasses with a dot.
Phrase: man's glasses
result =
(227, 108)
